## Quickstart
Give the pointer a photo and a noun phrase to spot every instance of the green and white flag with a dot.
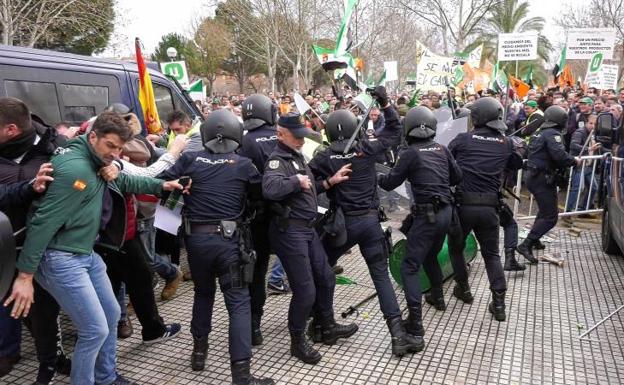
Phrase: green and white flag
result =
(196, 86)
(562, 59)
(339, 57)
(500, 82)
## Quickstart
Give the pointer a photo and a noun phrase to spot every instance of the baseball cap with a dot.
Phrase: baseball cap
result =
(294, 123)
(531, 103)
(587, 100)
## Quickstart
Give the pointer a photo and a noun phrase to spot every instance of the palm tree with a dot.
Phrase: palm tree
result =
(511, 16)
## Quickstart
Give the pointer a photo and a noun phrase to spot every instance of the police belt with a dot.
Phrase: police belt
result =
(309, 223)
(202, 228)
(357, 213)
(469, 198)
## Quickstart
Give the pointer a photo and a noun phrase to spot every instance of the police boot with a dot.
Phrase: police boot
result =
(511, 264)
(300, 348)
(435, 298)
(497, 306)
(256, 333)
(462, 292)
(332, 331)
(242, 376)
(402, 342)
(538, 245)
(198, 357)
(315, 331)
(526, 249)
(413, 324)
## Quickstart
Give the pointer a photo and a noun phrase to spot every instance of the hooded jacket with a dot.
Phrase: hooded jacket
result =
(69, 216)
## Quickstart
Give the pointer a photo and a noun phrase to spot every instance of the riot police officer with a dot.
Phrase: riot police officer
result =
(290, 185)
(356, 200)
(432, 171)
(482, 155)
(546, 155)
(259, 116)
(213, 213)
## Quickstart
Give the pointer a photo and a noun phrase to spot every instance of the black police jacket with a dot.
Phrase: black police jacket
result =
(547, 151)
(483, 155)
(429, 167)
(359, 192)
(220, 184)
(281, 184)
(18, 193)
(258, 144)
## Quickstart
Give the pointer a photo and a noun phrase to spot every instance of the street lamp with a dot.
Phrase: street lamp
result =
(172, 53)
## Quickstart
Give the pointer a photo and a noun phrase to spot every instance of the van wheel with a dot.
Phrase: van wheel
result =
(609, 245)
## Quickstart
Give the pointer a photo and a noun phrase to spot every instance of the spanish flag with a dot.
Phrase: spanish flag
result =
(146, 94)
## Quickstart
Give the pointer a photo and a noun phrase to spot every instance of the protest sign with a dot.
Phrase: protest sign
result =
(517, 46)
(586, 42)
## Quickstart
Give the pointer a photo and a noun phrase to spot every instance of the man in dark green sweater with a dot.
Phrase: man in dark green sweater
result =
(79, 208)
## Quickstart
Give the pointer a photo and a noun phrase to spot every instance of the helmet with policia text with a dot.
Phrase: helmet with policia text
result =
(340, 125)
(221, 132)
(420, 123)
(488, 112)
(555, 116)
(258, 110)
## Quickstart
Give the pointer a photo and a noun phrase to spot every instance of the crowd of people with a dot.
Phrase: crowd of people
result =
(87, 198)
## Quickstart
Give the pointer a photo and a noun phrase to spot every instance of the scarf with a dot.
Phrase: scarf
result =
(19, 145)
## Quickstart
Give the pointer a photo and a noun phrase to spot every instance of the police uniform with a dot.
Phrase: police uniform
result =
(482, 155)
(356, 199)
(221, 182)
(546, 155)
(297, 244)
(259, 115)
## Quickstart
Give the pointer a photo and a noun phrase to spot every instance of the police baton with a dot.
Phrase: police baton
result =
(359, 127)
(354, 308)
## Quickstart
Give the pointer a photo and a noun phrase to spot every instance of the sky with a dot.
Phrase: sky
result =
(151, 22)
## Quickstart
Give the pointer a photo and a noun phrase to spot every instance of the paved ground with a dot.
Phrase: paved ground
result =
(547, 308)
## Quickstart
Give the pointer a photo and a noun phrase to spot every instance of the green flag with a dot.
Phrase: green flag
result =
(382, 79)
(196, 86)
(528, 78)
(500, 82)
(343, 42)
(459, 75)
(562, 60)
(414, 99)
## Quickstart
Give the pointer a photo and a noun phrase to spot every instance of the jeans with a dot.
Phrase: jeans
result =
(121, 298)
(575, 187)
(277, 272)
(147, 234)
(80, 285)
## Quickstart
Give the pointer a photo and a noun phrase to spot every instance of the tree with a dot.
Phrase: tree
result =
(175, 40)
(82, 24)
(208, 49)
(456, 20)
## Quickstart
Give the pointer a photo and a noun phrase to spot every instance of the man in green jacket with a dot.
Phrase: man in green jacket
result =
(79, 208)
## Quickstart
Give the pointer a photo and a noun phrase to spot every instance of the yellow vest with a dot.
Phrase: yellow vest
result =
(193, 131)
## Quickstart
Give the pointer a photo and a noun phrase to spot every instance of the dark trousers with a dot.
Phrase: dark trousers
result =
(211, 257)
(262, 246)
(548, 210)
(424, 241)
(168, 244)
(43, 323)
(129, 265)
(365, 231)
(311, 278)
(510, 227)
(483, 220)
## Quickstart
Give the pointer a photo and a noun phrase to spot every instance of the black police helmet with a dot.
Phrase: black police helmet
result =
(340, 125)
(119, 108)
(221, 132)
(258, 110)
(555, 116)
(420, 123)
(462, 112)
(488, 112)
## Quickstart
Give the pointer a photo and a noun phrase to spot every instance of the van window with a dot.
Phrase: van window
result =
(164, 101)
(81, 102)
(40, 97)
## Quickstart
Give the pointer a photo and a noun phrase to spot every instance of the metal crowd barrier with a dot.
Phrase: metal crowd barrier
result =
(587, 206)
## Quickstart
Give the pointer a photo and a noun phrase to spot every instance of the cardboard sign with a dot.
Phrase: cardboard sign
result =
(517, 46)
(585, 43)
(392, 72)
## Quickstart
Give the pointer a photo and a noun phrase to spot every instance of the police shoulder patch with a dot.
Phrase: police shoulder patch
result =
(273, 164)
(558, 138)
